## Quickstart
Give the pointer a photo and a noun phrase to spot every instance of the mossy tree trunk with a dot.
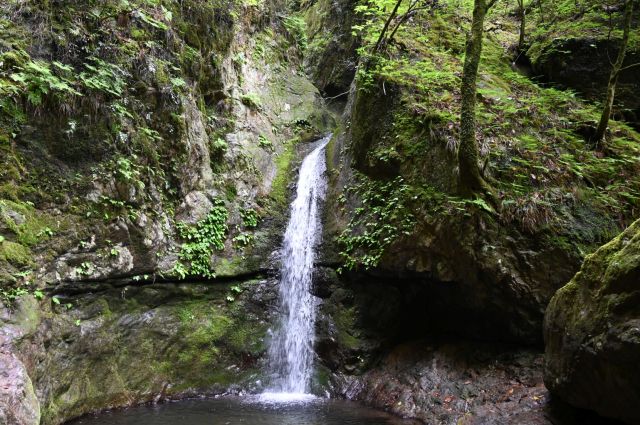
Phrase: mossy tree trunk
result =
(599, 137)
(523, 24)
(471, 181)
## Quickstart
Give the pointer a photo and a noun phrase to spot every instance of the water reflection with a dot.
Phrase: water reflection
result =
(246, 411)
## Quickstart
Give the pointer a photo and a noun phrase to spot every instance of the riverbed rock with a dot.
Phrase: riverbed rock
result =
(456, 382)
(592, 332)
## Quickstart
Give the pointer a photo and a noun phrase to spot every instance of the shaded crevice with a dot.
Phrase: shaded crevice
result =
(91, 285)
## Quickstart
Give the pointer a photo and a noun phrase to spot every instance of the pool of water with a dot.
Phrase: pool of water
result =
(253, 410)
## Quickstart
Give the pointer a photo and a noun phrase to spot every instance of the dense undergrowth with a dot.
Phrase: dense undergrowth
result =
(590, 19)
(551, 181)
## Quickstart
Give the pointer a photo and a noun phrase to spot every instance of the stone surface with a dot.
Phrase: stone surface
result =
(106, 346)
(124, 332)
(592, 332)
(458, 382)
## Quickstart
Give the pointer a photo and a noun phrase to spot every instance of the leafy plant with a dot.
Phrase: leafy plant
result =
(251, 100)
(297, 29)
(265, 143)
(242, 240)
(249, 218)
(219, 145)
(381, 219)
(37, 79)
(103, 77)
(203, 239)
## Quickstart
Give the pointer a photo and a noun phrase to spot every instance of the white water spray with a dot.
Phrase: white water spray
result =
(291, 349)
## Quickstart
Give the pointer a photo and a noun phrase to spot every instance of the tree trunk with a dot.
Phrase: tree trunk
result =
(541, 11)
(394, 12)
(523, 17)
(599, 137)
(470, 178)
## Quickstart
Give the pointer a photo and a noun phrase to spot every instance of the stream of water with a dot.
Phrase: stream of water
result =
(291, 348)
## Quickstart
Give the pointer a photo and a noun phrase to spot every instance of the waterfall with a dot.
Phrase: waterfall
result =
(291, 348)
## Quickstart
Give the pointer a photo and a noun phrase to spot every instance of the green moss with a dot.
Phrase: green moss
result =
(345, 321)
(32, 226)
(15, 254)
(246, 337)
(279, 192)
(251, 100)
(229, 267)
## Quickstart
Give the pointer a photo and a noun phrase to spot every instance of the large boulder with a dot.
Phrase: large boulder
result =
(592, 332)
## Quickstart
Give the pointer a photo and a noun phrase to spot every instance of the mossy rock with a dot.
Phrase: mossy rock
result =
(15, 254)
(592, 332)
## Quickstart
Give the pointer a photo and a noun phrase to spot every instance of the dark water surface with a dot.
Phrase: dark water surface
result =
(245, 411)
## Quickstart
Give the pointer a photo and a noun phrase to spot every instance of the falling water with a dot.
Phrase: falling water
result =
(291, 349)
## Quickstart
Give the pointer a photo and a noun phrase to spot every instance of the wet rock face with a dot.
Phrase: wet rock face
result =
(18, 402)
(122, 345)
(582, 64)
(331, 58)
(592, 332)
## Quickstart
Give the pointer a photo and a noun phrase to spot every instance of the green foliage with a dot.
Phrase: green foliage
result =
(531, 145)
(383, 217)
(103, 77)
(265, 143)
(9, 295)
(21, 285)
(251, 100)
(127, 170)
(203, 239)
(567, 19)
(219, 145)
(85, 269)
(249, 218)
(37, 79)
(242, 240)
(297, 29)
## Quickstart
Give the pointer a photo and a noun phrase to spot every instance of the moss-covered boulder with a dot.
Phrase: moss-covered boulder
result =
(592, 332)
(103, 345)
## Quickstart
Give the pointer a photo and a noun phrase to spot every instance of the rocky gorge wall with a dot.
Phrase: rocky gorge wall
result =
(139, 238)
(139, 232)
